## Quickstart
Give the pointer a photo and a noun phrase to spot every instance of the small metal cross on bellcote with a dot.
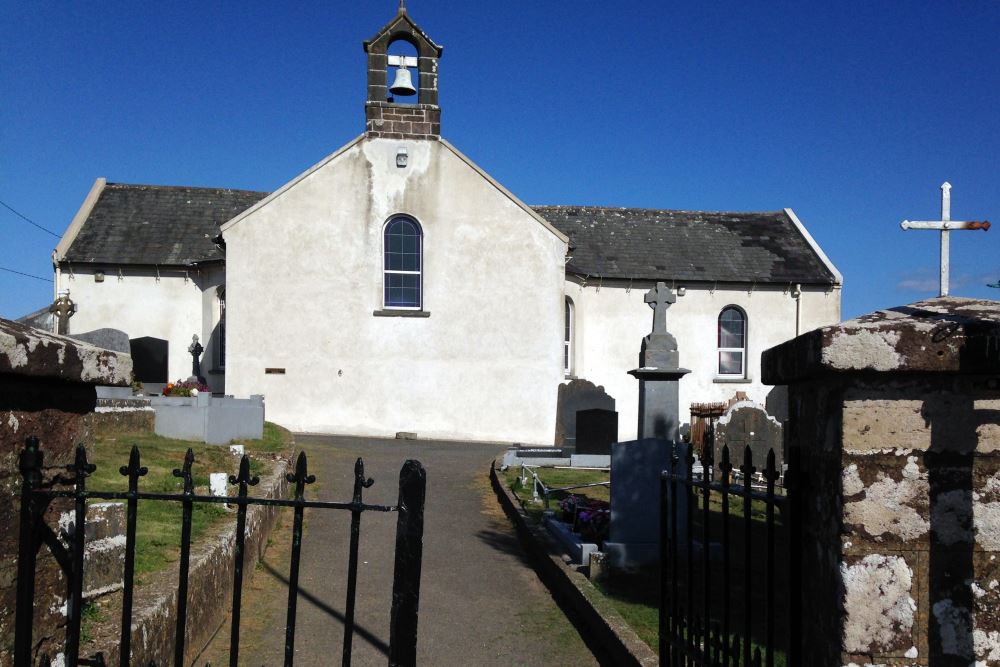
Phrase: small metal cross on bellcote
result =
(659, 299)
(945, 225)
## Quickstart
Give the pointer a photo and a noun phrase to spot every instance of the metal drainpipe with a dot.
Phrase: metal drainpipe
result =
(797, 295)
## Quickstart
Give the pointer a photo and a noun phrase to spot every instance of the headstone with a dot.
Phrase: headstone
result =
(596, 429)
(149, 358)
(108, 339)
(195, 348)
(636, 466)
(63, 308)
(659, 373)
(746, 423)
(574, 396)
(634, 537)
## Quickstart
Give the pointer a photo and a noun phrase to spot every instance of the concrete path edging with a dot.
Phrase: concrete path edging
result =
(606, 627)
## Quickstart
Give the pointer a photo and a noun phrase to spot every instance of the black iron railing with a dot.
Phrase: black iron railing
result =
(729, 584)
(36, 495)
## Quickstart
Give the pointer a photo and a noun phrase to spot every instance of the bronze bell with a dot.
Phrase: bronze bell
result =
(403, 85)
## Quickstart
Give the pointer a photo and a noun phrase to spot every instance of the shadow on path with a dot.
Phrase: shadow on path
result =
(367, 635)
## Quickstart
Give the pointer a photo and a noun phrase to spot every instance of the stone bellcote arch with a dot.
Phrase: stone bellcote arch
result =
(393, 120)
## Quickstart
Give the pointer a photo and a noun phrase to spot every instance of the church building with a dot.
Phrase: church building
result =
(396, 287)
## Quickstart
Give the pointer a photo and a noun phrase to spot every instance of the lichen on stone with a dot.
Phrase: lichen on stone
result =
(891, 507)
(880, 610)
(862, 350)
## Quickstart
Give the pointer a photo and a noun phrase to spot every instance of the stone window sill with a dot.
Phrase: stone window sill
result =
(401, 313)
(722, 379)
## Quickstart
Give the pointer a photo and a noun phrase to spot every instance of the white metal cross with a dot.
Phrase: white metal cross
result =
(945, 225)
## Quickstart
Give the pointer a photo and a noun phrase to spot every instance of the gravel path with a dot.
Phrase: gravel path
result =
(481, 603)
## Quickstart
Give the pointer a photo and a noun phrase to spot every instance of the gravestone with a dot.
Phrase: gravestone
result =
(107, 339)
(659, 373)
(746, 423)
(195, 349)
(634, 536)
(596, 430)
(574, 396)
(636, 466)
(149, 359)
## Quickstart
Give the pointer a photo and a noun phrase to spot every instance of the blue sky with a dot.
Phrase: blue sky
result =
(851, 113)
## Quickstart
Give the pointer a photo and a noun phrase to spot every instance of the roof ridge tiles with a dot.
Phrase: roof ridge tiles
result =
(152, 186)
(652, 210)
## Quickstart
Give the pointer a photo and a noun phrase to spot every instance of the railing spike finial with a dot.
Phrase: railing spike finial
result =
(726, 466)
(771, 473)
(244, 477)
(359, 479)
(185, 472)
(301, 473)
(133, 469)
(30, 461)
(81, 466)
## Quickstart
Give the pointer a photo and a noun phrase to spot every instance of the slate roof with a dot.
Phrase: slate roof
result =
(174, 226)
(630, 243)
(157, 225)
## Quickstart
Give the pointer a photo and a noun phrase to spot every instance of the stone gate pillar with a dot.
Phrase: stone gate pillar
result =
(896, 416)
(47, 388)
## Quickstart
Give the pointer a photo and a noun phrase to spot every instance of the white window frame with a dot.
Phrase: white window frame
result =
(742, 350)
(568, 335)
(221, 298)
(418, 272)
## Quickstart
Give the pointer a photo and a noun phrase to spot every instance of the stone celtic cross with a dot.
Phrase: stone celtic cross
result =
(659, 299)
(944, 225)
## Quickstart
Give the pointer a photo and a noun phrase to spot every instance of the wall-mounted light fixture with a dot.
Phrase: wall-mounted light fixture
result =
(402, 157)
(98, 276)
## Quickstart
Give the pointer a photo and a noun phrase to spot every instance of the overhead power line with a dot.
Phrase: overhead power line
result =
(28, 275)
(27, 219)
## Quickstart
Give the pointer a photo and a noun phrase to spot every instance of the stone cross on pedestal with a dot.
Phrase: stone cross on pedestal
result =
(659, 299)
(659, 372)
(945, 225)
(195, 349)
(63, 308)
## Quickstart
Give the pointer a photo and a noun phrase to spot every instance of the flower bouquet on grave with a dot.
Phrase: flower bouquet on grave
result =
(184, 388)
(569, 505)
(594, 522)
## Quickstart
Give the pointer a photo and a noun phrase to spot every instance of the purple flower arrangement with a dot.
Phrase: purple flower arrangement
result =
(591, 518)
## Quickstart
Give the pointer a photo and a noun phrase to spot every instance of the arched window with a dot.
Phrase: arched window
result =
(732, 342)
(568, 337)
(403, 263)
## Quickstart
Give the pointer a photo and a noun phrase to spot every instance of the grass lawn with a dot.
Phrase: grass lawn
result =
(635, 596)
(556, 478)
(158, 526)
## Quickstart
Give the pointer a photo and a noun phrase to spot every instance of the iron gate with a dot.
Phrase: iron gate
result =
(37, 494)
(714, 611)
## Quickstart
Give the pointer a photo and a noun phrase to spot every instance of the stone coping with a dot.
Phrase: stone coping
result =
(944, 334)
(604, 627)
(31, 352)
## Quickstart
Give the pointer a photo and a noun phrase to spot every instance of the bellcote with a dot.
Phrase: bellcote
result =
(388, 115)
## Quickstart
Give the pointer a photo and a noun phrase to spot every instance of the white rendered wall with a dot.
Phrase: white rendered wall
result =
(611, 321)
(305, 275)
(140, 304)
